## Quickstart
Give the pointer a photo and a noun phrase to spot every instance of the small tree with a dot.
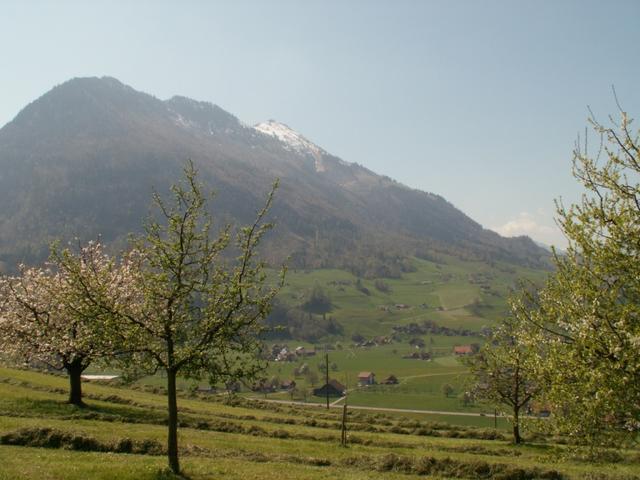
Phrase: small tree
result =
(382, 286)
(197, 313)
(311, 376)
(501, 375)
(43, 317)
(447, 390)
(317, 301)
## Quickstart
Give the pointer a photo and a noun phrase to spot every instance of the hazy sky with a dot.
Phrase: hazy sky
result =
(478, 101)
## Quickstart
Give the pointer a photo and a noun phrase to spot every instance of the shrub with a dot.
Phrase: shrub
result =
(382, 286)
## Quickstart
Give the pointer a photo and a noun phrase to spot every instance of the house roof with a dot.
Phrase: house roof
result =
(336, 384)
(365, 374)
(462, 349)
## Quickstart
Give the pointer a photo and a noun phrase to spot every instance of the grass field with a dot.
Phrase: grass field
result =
(447, 289)
(420, 382)
(249, 439)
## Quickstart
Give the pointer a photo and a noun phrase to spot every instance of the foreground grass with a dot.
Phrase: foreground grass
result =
(253, 440)
(20, 463)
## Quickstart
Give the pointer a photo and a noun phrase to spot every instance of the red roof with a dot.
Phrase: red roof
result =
(365, 374)
(462, 349)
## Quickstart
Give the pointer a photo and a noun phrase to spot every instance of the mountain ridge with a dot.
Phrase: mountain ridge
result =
(82, 160)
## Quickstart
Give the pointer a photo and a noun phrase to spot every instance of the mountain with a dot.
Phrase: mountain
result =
(83, 160)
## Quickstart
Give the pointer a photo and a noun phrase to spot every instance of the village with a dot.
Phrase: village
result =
(294, 375)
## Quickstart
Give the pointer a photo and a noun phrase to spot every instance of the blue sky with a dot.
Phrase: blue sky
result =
(478, 101)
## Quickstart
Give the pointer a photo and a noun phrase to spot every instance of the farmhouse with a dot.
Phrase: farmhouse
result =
(334, 389)
(390, 380)
(285, 355)
(288, 385)
(463, 350)
(263, 386)
(366, 378)
(418, 356)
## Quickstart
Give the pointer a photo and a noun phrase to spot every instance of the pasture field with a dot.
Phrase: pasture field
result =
(420, 382)
(43, 437)
(460, 294)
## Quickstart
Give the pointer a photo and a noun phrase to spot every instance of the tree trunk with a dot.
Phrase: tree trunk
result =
(343, 434)
(517, 439)
(172, 440)
(74, 370)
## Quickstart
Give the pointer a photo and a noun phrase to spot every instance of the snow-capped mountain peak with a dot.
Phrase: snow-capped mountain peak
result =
(292, 140)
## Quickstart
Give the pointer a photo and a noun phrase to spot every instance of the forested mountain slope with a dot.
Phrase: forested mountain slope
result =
(83, 159)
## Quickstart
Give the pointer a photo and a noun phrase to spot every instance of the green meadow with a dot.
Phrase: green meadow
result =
(43, 437)
(443, 292)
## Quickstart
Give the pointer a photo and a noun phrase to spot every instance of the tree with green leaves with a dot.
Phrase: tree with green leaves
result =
(588, 313)
(501, 373)
(447, 390)
(199, 301)
(317, 301)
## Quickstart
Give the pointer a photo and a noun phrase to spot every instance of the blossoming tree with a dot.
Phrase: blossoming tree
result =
(44, 317)
(587, 316)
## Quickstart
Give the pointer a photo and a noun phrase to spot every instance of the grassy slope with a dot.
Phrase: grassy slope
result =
(452, 287)
(286, 444)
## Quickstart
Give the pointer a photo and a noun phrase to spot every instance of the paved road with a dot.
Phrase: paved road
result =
(439, 374)
(377, 409)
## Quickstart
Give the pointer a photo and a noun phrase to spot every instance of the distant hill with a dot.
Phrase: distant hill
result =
(82, 160)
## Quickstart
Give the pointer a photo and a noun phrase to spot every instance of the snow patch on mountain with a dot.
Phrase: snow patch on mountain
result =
(293, 141)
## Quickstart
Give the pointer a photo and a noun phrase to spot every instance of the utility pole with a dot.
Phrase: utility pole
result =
(326, 358)
(495, 418)
(343, 433)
